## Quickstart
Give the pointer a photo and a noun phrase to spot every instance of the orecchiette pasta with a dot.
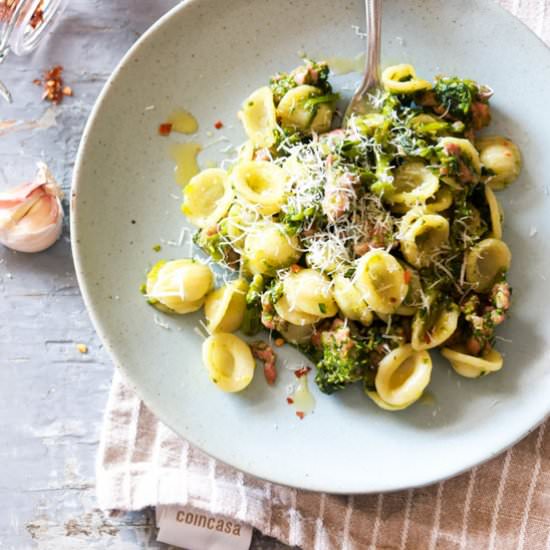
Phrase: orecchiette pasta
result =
(442, 200)
(224, 308)
(259, 118)
(207, 197)
(365, 245)
(238, 221)
(433, 328)
(485, 262)
(413, 299)
(381, 281)
(424, 238)
(471, 366)
(403, 375)
(179, 286)
(308, 291)
(402, 79)
(413, 183)
(262, 184)
(229, 361)
(291, 315)
(501, 159)
(268, 247)
(463, 148)
(298, 110)
(386, 406)
(495, 213)
(297, 334)
(425, 124)
(350, 301)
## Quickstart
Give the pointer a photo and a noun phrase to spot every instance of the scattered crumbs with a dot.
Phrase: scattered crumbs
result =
(175, 197)
(502, 339)
(400, 40)
(180, 240)
(149, 108)
(209, 133)
(227, 149)
(289, 400)
(358, 31)
(218, 124)
(165, 129)
(160, 323)
(434, 412)
(542, 276)
(157, 248)
(117, 297)
(533, 231)
(301, 415)
(82, 348)
(133, 222)
(279, 342)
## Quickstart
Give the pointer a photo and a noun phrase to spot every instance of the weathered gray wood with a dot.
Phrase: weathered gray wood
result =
(52, 396)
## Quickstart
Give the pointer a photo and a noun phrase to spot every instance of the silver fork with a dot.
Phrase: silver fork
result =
(360, 103)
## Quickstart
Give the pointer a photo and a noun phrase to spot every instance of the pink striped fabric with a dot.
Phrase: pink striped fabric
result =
(503, 504)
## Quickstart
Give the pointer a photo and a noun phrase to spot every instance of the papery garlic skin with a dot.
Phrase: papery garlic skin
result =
(31, 215)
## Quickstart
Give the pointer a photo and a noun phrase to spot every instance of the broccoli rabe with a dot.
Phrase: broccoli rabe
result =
(456, 95)
(342, 362)
(312, 73)
(252, 315)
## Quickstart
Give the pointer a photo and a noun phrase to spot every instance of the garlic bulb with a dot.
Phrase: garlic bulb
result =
(31, 215)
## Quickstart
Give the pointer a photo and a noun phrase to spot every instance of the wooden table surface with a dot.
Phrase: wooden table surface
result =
(51, 396)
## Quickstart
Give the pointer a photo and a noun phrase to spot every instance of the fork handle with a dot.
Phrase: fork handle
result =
(373, 12)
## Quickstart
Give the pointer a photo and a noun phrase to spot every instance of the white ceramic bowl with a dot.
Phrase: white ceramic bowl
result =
(207, 56)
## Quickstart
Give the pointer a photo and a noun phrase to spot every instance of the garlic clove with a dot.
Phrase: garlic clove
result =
(31, 215)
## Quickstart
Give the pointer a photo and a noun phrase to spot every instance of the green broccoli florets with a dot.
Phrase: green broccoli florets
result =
(456, 95)
(342, 363)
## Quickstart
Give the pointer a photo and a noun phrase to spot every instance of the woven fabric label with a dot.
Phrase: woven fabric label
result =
(193, 529)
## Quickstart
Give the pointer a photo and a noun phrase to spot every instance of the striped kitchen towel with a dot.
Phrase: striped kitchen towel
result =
(503, 504)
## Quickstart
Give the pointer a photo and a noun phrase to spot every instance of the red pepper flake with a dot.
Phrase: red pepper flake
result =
(295, 268)
(54, 90)
(300, 415)
(37, 17)
(289, 400)
(301, 372)
(407, 276)
(279, 342)
(8, 8)
(165, 129)
(218, 125)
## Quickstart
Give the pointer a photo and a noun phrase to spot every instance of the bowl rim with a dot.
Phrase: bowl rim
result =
(142, 392)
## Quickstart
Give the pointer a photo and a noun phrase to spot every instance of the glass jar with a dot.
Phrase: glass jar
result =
(23, 24)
